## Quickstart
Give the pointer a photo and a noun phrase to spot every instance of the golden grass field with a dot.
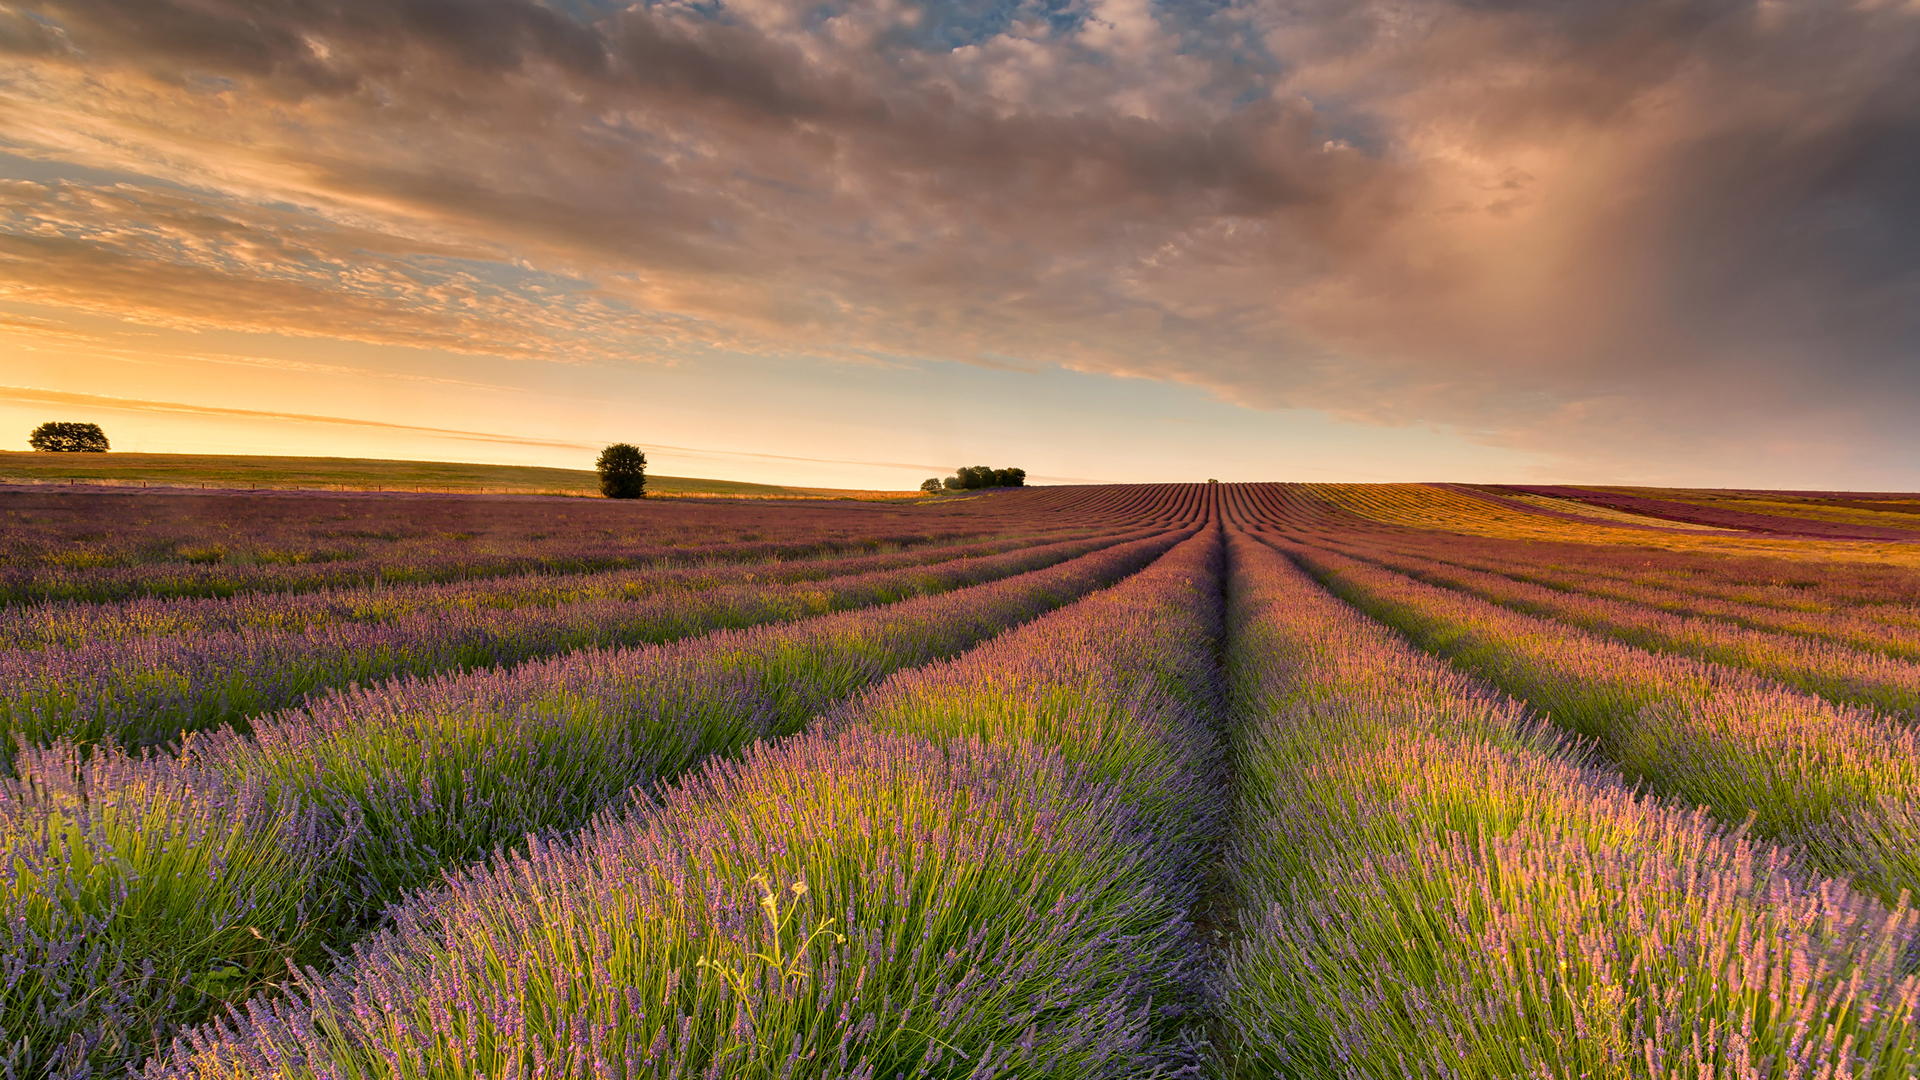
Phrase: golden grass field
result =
(232, 471)
(1426, 506)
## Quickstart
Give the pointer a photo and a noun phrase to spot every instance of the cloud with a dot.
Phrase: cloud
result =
(309, 367)
(1633, 232)
(190, 260)
(41, 396)
(104, 401)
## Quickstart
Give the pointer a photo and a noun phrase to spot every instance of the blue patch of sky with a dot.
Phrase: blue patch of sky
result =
(1364, 131)
(587, 11)
(1224, 32)
(210, 84)
(504, 275)
(1205, 27)
(944, 27)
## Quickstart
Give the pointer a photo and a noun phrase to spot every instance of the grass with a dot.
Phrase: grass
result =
(147, 691)
(1893, 512)
(400, 782)
(1839, 783)
(1024, 830)
(1433, 885)
(858, 906)
(1436, 508)
(1838, 672)
(365, 474)
(986, 900)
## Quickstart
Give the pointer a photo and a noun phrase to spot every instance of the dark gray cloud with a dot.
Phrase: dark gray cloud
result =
(1630, 232)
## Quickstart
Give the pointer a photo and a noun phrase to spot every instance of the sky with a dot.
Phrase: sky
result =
(857, 243)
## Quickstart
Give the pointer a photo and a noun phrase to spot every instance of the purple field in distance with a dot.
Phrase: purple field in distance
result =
(1236, 781)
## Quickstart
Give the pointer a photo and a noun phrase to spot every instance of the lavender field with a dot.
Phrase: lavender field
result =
(1209, 780)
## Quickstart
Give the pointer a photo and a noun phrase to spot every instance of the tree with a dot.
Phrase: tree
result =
(974, 477)
(65, 436)
(623, 472)
(932, 485)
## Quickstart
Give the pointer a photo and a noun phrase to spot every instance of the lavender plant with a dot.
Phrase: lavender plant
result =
(987, 913)
(1827, 615)
(139, 892)
(1124, 683)
(148, 691)
(1434, 886)
(110, 547)
(436, 772)
(1832, 670)
(418, 776)
(70, 625)
(977, 899)
(1842, 783)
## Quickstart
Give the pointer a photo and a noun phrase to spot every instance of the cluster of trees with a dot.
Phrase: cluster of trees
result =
(66, 436)
(977, 476)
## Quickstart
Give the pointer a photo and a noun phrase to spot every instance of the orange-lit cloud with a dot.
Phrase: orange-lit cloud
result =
(1616, 231)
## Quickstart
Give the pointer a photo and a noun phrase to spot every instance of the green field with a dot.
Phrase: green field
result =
(363, 474)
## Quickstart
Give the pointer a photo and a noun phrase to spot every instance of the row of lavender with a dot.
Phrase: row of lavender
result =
(147, 691)
(115, 547)
(1346, 957)
(1796, 514)
(1856, 588)
(1812, 608)
(76, 624)
(982, 869)
(977, 869)
(1841, 783)
(142, 893)
(1845, 656)
(1433, 885)
(1868, 589)
(1108, 504)
(95, 547)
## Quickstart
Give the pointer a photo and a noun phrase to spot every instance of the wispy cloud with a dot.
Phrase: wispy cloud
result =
(41, 396)
(105, 401)
(276, 363)
(1620, 230)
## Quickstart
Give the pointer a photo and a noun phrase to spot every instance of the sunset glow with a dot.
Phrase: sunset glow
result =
(862, 243)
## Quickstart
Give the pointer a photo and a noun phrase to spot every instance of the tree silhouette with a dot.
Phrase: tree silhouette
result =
(65, 436)
(973, 477)
(623, 472)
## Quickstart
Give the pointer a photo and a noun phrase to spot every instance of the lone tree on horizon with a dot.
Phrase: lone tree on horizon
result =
(69, 437)
(623, 472)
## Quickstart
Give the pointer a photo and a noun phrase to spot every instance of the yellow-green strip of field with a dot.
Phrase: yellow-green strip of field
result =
(1426, 506)
(247, 472)
(1895, 512)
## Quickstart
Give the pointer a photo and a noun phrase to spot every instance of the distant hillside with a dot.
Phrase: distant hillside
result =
(362, 474)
